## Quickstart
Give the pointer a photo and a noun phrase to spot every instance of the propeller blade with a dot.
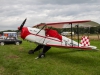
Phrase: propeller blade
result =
(20, 28)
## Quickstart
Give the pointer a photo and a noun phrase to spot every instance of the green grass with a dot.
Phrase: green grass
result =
(15, 60)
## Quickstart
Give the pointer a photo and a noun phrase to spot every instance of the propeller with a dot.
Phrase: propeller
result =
(21, 26)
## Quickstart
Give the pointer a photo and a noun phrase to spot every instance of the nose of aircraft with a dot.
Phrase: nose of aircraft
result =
(24, 32)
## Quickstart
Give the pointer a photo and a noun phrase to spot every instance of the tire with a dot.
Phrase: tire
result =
(2, 44)
(41, 55)
(17, 43)
(31, 52)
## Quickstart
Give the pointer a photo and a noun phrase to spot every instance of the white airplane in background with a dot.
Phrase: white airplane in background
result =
(47, 38)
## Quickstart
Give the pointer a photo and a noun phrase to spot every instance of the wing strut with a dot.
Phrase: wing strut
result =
(41, 28)
(77, 26)
(77, 34)
(71, 34)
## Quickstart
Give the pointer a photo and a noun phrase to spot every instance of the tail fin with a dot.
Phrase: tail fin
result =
(85, 41)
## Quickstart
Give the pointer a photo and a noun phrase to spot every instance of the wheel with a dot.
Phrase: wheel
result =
(2, 43)
(31, 52)
(17, 43)
(41, 55)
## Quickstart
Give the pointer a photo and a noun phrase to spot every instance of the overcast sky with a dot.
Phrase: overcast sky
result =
(13, 12)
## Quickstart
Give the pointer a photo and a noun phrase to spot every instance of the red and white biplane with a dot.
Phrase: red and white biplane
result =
(47, 38)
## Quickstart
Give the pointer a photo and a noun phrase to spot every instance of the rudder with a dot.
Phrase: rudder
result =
(85, 41)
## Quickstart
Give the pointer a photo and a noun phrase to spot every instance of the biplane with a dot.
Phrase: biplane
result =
(46, 37)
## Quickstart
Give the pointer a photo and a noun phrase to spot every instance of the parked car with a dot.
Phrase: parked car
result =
(8, 40)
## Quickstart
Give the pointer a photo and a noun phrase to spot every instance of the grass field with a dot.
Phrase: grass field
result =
(15, 60)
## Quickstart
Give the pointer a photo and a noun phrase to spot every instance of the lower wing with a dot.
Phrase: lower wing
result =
(73, 47)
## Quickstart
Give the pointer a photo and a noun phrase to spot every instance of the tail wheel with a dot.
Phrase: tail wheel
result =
(17, 43)
(2, 43)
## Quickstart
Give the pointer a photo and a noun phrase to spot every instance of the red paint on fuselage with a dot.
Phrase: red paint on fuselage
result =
(24, 32)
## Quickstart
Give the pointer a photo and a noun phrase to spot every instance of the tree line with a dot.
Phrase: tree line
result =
(82, 30)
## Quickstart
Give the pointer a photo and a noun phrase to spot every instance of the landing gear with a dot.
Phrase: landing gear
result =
(36, 49)
(42, 54)
(31, 52)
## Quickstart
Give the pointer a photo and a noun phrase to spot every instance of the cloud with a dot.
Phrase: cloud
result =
(12, 13)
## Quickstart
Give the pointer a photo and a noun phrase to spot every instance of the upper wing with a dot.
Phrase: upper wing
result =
(83, 23)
